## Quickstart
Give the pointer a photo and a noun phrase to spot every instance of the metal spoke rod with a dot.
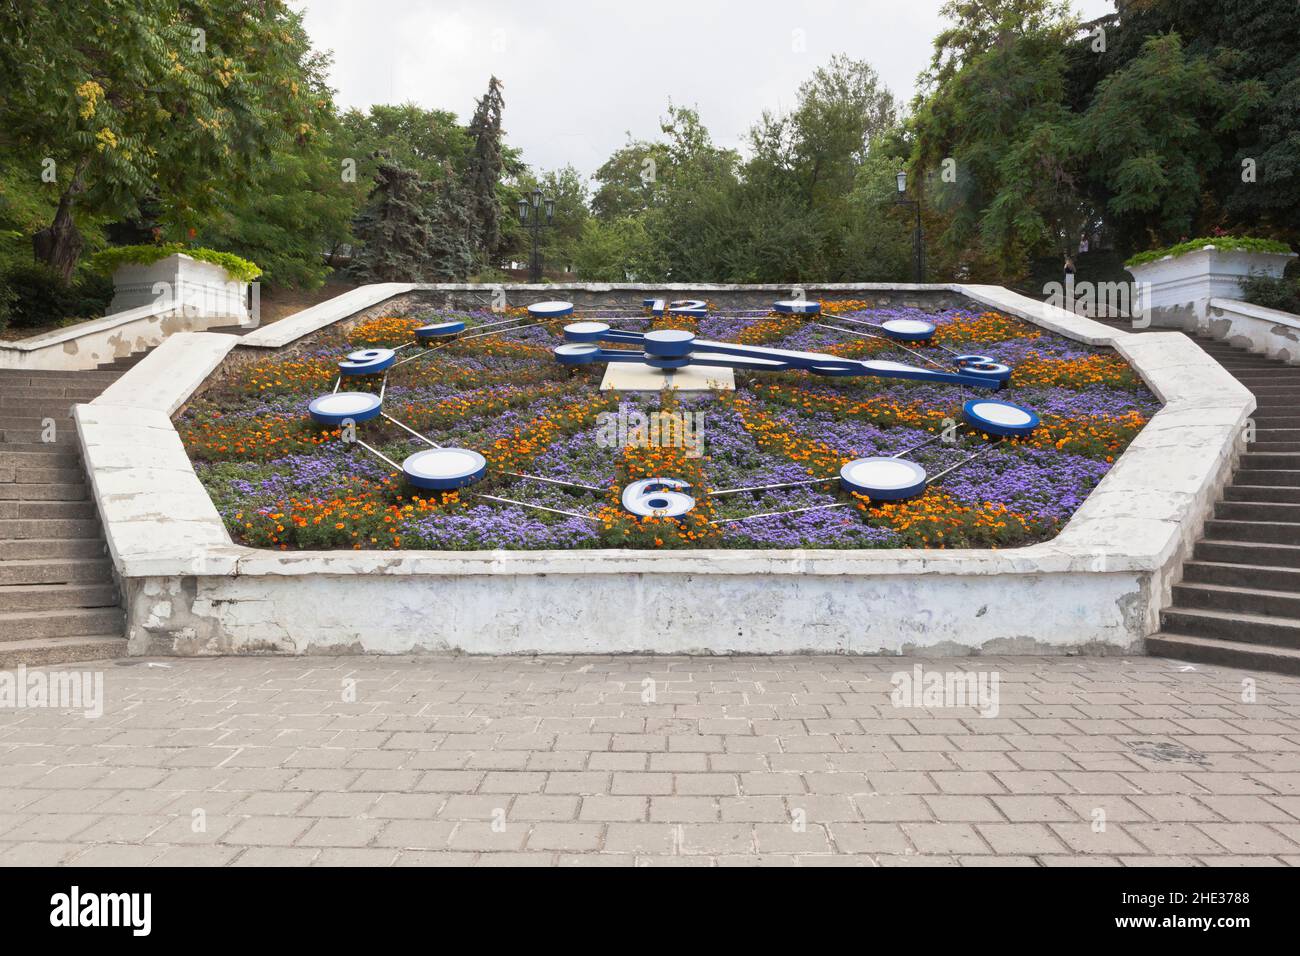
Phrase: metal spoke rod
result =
(377, 453)
(784, 484)
(966, 461)
(525, 504)
(464, 338)
(554, 481)
(777, 514)
(426, 440)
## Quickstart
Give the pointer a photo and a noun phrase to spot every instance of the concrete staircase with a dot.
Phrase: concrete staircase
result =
(58, 599)
(1238, 603)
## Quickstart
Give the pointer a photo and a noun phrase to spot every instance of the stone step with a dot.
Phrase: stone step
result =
(48, 475)
(46, 548)
(37, 376)
(23, 397)
(1220, 529)
(57, 597)
(47, 509)
(17, 529)
(1235, 599)
(1241, 575)
(1206, 650)
(62, 491)
(1269, 476)
(1253, 377)
(61, 650)
(1257, 460)
(1259, 511)
(1269, 446)
(40, 452)
(67, 622)
(1248, 552)
(34, 416)
(1263, 418)
(1262, 493)
(1232, 626)
(56, 570)
(66, 436)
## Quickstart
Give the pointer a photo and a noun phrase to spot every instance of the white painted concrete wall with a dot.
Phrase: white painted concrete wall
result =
(1177, 289)
(88, 344)
(1268, 332)
(191, 285)
(1097, 587)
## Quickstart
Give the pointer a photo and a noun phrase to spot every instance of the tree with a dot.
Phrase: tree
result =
(483, 172)
(995, 120)
(628, 182)
(426, 141)
(394, 226)
(1156, 131)
(132, 98)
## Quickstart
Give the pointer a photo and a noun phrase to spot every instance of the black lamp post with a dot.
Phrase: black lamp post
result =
(531, 210)
(918, 240)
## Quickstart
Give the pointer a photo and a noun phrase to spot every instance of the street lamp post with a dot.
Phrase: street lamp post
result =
(918, 239)
(532, 208)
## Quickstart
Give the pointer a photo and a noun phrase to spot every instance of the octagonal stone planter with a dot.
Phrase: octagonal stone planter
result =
(1096, 588)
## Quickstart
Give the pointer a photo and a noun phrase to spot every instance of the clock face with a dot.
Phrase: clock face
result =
(665, 423)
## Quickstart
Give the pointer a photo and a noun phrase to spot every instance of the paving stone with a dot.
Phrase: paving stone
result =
(744, 761)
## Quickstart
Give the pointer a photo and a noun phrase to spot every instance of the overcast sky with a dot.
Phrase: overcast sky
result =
(580, 74)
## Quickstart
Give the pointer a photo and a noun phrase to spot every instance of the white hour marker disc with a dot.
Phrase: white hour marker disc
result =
(1000, 418)
(550, 310)
(884, 479)
(908, 330)
(338, 407)
(442, 469)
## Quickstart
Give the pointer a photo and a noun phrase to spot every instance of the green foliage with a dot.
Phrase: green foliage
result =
(1141, 139)
(1273, 292)
(1224, 243)
(132, 98)
(484, 169)
(110, 259)
(1156, 131)
(413, 231)
(39, 296)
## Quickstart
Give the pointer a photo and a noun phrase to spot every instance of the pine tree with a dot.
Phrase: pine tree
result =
(394, 226)
(450, 255)
(484, 173)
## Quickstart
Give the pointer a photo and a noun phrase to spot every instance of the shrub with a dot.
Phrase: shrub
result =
(7, 299)
(39, 296)
(1223, 243)
(1272, 292)
(108, 261)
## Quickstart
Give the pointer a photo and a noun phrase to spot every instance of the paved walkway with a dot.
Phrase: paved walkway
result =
(598, 760)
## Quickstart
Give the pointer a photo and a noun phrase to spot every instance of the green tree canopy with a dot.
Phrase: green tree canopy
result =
(132, 98)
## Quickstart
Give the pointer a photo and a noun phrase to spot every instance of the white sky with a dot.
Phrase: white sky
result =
(580, 74)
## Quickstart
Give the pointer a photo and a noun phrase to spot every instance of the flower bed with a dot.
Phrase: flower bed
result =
(280, 481)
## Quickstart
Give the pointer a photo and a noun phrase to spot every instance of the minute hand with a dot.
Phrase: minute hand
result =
(716, 354)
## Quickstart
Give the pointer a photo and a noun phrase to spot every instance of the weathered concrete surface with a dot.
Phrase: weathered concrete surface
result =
(655, 761)
(1269, 332)
(191, 285)
(1097, 587)
(89, 344)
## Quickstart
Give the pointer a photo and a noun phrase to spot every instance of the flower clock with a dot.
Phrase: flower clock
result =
(666, 424)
